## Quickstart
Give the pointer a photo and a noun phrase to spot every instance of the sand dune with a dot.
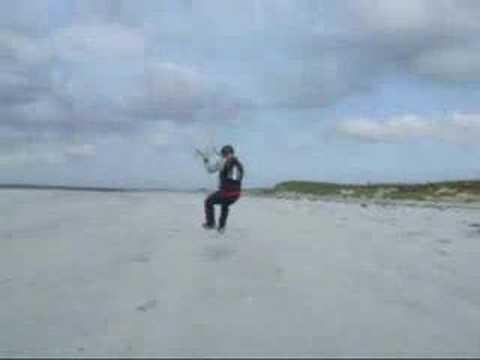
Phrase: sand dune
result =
(85, 273)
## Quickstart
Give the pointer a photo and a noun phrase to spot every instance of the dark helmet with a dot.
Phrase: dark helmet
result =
(227, 149)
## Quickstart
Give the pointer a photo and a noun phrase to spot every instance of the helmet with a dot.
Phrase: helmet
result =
(227, 149)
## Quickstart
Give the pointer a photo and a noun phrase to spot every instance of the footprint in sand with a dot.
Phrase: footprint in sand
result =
(442, 252)
(141, 258)
(475, 229)
(148, 305)
(217, 252)
(444, 241)
(414, 233)
(279, 274)
(5, 281)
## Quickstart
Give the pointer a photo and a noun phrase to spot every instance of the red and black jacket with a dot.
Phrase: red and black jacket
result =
(230, 177)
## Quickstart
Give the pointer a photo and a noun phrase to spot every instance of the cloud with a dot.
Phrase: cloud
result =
(174, 135)
(22, 49)
(80, 151)
(162, 134)
(307, 60)
(19, 87)
(27, 16)
(94, 66)
(21, 79)
(456, 128)
(152, 74)
(41, 111)
(293, 55)
(439, 17)
(98, 42)
(316, 80)
(394, 17)
(456, 64)
(169, 91)
(437, 39)
(61, 62)
(31, 151)
(27, 157)
(19, 148)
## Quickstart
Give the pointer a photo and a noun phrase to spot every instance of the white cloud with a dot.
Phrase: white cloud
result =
(43, 150)
(428, 16)
(170, 91)
(421, 35)
(456, 128)
(434, 38)
(17, 87)
(20, 81)
(168, 134)
(26, 157)
(42, 110)
(162, 134)
(460, 64)
(82, 150)
(23, 49)
(79, 43)
(75, 43)
(394, 16)
(97, 78)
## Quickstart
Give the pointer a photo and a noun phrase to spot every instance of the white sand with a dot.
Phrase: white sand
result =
(84, 273)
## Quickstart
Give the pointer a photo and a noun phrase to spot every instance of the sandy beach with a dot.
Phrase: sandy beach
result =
(126, 274)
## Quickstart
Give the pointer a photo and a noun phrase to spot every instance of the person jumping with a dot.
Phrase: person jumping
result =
(230, 186)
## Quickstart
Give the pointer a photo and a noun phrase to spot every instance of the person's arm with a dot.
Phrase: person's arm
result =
(215, 166)
(240, 171)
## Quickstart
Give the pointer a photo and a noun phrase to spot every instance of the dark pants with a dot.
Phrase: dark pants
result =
(218, 198)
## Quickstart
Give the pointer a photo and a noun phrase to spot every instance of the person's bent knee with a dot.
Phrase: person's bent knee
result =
(209, 200)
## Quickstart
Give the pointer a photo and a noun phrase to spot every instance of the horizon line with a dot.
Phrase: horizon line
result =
(203, 189)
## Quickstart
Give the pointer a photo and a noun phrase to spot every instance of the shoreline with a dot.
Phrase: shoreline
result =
(441, 204)
(466, 201)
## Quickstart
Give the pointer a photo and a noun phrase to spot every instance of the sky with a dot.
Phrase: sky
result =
(120, 92)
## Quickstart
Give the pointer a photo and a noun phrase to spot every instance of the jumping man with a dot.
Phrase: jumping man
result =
(230, 186)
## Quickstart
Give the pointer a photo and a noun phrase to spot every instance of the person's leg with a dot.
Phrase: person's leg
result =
(211, 200)
(225, 210)
(223, 215)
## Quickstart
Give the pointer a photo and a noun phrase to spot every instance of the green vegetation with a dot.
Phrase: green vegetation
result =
(466, 191)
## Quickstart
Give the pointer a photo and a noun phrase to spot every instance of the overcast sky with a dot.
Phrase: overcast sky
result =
(119, 92)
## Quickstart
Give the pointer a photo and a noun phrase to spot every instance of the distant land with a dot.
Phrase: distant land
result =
(457, 191)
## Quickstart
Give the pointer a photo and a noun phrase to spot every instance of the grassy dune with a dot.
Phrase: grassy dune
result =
(464, 191)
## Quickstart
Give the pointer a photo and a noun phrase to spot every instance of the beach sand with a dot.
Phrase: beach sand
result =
(126, 274)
